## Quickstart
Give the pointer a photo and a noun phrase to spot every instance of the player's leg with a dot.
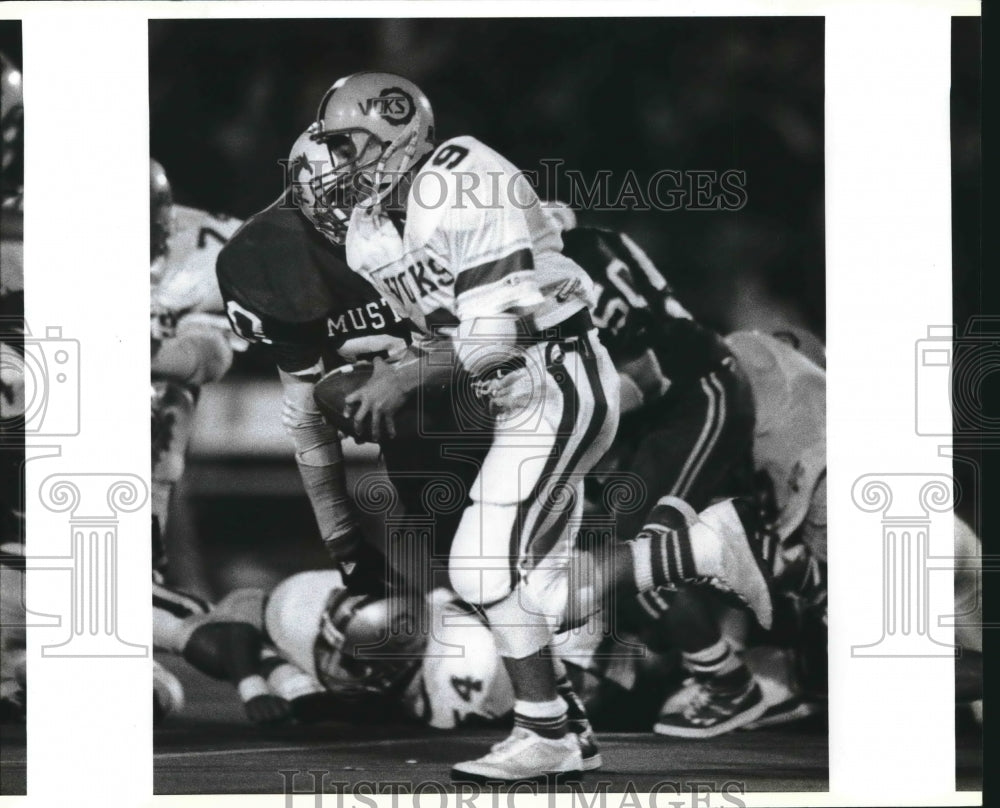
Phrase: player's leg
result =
(702, 450)
(668, 563)
(577, 721)
(224, 643)
(511, 553)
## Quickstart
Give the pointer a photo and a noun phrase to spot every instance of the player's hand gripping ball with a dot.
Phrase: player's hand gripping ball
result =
(332, 390)
(365, 401)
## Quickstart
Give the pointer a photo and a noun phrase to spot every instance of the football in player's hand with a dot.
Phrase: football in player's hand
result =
(333, 389)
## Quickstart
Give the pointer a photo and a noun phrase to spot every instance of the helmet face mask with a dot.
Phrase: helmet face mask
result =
(354, 156)
(370, 131)
(376, 126)
(321, 191)
(367, 645)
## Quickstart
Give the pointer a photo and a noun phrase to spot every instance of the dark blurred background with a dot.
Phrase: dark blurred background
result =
(968, 298)
(10, 40)
(228, 98)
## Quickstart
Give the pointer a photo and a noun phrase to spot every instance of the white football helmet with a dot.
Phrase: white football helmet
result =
(374, 127)
(352, 644)
(463, 678)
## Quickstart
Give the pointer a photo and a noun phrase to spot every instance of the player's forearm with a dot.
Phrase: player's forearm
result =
(321, 465)
(429, 365)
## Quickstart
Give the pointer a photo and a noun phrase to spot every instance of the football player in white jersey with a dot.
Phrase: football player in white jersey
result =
(190, 339)
(485, 280)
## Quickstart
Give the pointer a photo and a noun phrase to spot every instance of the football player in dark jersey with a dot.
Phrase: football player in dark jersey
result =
(686, 431)
(289, 288)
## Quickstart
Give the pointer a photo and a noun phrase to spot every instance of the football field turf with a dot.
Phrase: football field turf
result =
(209, 748)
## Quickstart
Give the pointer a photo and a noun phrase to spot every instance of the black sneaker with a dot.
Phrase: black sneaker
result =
(711, 711)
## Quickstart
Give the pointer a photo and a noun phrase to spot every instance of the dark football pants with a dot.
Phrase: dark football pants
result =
(696, 444)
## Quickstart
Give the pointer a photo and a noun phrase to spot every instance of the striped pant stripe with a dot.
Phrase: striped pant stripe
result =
(556, 519)
(529, 510)
(715, 419)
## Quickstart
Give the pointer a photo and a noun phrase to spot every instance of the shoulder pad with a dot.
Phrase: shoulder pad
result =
(462, 177)
(274, 267)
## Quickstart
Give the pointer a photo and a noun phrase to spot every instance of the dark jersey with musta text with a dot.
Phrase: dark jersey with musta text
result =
(285, 285)
(636, 308)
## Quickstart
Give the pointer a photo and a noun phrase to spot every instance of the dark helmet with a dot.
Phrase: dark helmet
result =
(367, 645)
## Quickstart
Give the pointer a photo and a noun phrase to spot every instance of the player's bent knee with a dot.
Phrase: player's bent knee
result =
(476, 585)
(480, 564)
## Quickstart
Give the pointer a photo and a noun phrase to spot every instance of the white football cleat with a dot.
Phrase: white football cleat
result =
(739, 568)
(525, 756)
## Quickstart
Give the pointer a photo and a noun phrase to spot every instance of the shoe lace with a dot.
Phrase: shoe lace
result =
(517, 735)
(699, 699)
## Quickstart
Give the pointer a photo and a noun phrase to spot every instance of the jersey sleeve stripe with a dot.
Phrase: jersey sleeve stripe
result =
(518, 290)
(493, 271)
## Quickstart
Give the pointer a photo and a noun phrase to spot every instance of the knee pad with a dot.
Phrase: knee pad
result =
(477, 585)
(480, 567)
